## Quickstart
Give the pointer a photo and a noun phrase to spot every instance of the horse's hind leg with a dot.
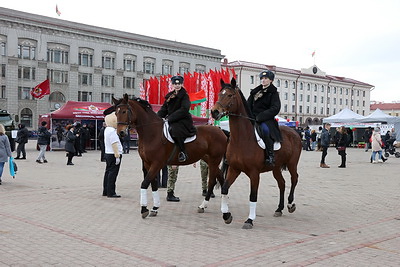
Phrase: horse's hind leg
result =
(294, 178)
(281, 184)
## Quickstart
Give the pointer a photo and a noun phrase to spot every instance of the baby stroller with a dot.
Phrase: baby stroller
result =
(390, 149)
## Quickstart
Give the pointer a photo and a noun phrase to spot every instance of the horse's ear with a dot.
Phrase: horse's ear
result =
(126, 98)
(114, 100)
(222, 83)
(233, 83)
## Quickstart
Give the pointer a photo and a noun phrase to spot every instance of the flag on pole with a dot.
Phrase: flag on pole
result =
(58, 11)
(42, 89)
(313, 53)
(197, 97)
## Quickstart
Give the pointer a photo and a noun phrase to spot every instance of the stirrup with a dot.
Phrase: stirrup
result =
(182, 157)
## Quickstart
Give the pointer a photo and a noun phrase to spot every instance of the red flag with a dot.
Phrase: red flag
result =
(41, 89)
(58, 11)
(313, 53)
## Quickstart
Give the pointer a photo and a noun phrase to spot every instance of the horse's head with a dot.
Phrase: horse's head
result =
(125, 116)
(227, 100)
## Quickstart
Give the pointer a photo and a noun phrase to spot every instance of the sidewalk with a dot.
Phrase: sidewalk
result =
(54, 214)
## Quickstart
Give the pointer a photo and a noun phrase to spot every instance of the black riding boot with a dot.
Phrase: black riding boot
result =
(172, 197)
(180, 143)
(269, 152)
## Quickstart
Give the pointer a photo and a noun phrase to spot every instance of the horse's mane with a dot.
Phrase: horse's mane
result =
(246, 106)
(143, 103)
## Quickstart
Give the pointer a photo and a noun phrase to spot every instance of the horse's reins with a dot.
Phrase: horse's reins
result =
(233, 114)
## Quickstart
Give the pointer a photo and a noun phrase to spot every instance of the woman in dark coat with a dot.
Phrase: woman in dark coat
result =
(265, 104)
(70, 143)
(22, 139)
(176, 111)
(342, 141)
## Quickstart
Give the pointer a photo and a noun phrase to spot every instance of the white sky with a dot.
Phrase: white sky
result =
(357, 39)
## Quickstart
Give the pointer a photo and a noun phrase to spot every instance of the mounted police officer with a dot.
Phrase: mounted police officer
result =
(265, 104)
(176, 111)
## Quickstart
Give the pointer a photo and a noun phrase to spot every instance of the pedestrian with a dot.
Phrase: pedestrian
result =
(84, 135)
(172, 177)
(113, 154)
(367, 138)
(43, 141)
(101, 142)
(176, 111)
(5, 149)
(70, 143)
(126, 140)
(77, 144)
(60, 134)
(376, 145)
(342, 141)
(313, 139)
(22, 139)
(319, 148)
(307, 136)
(325, 142)
(264, 104)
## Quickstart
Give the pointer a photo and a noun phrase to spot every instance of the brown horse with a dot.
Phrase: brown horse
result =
(245, 155)
(156, 151)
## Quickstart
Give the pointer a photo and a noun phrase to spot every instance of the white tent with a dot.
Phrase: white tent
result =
(346, 115)
(381, 117)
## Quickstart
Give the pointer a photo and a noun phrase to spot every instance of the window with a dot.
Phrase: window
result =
(200, 68)
(84, 96)
(85, 79)
(293, 85)
(3, 70)
(149, 65)
(129, 82)
(308, 87)
(341, 91)
(322, 99)
(26, 73)
(251, 79)
(24, 93)
(108, 60)
(315, 99)
(308, 109)
(293, 97)
(285, 96)
(322, 111)
(300, 97)
(340, 101)
(322, 88)
(327, 111)
(85, 57)
(184, 67)
(334, 90)
(27, 49)
(57, 53)
(285, 108)
(301, 86)
(358, 103)
(130, 63)
(334, 111)
(2, 46)
(293, 108)
(334, 101)
(278, 83)
(308, 98)
(300, 109)
(347, 91)
(167, 67)
(329, 89)
(315, 88)
(107, 81)
(363, 93)
(286, 84)
(3, 92)
(358, 92)
(347, 102)
(328, 99)
(26, 117)
(106, 97)
(315, 110)
(57, 97)
(57, 76)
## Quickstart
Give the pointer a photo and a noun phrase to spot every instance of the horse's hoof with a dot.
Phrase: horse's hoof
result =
(227, 217)
(200, 210)
(153, 213)
(291, 207)
(144, 212)
(248, 224)
(278, 214)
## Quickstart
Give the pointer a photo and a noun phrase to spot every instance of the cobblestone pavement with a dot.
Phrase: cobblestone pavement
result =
(54, 214)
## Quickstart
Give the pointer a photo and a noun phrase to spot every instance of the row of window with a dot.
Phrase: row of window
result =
(57, 53)
(328, 99)
(293, 110)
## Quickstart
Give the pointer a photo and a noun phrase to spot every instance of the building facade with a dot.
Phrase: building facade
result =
(82, 62)
(392, 109)
(307, 95)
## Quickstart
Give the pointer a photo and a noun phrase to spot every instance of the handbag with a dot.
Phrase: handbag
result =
(341, 148)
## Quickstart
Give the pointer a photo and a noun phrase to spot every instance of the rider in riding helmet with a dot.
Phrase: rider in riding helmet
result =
(176, 111)
(265, 104)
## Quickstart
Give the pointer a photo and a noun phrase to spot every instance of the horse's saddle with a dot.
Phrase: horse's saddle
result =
(167, 134)
(260, 141)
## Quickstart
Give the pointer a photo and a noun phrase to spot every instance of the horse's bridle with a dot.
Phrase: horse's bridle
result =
(225, 107)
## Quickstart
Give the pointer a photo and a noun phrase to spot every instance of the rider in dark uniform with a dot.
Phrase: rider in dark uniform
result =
(265, 104)
(176, 110)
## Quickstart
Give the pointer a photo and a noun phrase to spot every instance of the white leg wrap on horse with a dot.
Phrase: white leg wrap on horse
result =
(156, 199)
(224, 204)
(252, 214)
(143, 197)
(204, 204)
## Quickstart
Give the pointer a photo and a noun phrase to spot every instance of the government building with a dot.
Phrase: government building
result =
(82, 62)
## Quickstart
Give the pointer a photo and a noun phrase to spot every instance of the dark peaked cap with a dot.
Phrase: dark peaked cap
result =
(109, 110)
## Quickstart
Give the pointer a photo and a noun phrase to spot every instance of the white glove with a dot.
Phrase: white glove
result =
(117, 161)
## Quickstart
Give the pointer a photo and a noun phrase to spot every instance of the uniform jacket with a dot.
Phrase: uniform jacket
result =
(43, 136)
(70, 142)
(176, 111)
(265, 108)
(325, 138)
(22, 135)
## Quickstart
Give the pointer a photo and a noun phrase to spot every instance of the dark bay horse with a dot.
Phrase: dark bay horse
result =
(156, 151)
(245, 155)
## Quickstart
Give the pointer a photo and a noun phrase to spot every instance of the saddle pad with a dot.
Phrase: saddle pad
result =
(277, 145)
(169, 137)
